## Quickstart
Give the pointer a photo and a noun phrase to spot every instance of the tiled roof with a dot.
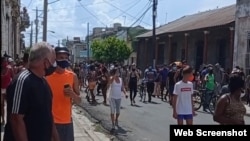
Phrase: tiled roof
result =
(211, 18)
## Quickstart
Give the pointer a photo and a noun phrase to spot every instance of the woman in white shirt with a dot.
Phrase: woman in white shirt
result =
(115, 96)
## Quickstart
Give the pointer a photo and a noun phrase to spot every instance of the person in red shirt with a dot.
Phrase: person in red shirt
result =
(6, 77)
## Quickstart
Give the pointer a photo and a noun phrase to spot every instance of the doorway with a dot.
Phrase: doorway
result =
(174, 52)
(160, 59)
(199, 53)
(222, 52)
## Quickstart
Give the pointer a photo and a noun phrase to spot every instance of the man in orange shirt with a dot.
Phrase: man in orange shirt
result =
(65, 89)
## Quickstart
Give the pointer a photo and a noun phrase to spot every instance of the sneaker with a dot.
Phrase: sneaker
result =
(134, 101)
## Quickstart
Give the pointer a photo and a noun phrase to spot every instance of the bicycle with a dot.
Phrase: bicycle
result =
(199, 100)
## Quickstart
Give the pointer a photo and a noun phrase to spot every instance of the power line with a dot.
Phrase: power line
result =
(133, 5)
(29, 3)
(123, 11)
(75, 6)
(148, 4)
(143, 14)
(91, 13)
(145, 7)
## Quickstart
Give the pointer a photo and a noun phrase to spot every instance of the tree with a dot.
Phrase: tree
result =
(110, 49)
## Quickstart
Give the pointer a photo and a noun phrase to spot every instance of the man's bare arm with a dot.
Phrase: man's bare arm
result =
(18, 127)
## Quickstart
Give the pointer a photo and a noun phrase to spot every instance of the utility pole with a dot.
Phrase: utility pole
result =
(36, 22)
(88, 41)
(58, 43)
(155, 48)
(45, 14)
(31, 34)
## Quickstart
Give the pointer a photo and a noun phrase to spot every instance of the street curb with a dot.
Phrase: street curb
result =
(93, 119)
(92, 135)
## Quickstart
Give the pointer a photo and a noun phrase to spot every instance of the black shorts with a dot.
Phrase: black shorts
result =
(65, 131)
(150, 87)
(171, 90)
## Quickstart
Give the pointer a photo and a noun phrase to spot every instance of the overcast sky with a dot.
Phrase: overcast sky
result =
(70, 17)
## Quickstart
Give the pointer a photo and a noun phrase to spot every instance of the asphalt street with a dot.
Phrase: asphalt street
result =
(143, 122)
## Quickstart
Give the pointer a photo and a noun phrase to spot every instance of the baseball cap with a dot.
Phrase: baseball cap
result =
(62, 50)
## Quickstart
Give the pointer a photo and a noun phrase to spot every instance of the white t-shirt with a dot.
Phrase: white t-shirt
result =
(116, 89)
(184, 93)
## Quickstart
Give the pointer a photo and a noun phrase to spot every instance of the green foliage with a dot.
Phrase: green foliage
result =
(110, 49)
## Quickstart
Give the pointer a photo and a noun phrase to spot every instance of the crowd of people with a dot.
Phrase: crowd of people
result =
(41, 88)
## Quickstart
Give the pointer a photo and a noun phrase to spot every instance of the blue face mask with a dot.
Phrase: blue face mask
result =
(62, 63)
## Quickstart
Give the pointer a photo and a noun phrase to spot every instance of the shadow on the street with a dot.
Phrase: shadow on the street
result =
(152, 102)
(135, 105)
(203, 112)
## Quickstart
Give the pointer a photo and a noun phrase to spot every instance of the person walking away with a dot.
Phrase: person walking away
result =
(163, 83)
(157, 86)
(124, 76)
(229, 108)
(29, 99)
(133, 79)
(115, 97)
(150, 75)
(104, 84)
(65, 89)
(210, 87)
(171, 82)
(6, 76)
(182, 98)
(218, 76)
(92, 78)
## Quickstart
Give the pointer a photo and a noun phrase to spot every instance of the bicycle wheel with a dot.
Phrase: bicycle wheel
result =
(212, 104)
(196, 100)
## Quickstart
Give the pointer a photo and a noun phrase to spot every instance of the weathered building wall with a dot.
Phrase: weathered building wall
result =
(170, 47)
(6, 29)
(242, 27)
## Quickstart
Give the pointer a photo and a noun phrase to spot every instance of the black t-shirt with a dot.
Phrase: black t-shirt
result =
(171, 78)
(30, 96)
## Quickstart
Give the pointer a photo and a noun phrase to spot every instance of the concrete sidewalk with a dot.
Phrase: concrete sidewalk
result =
(84, 129)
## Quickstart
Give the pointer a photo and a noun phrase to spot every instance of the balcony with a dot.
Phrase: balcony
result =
(25, 19)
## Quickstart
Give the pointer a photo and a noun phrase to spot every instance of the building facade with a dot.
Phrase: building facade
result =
(202, 38)
(13, 21)
(242, 35)
(123, 33)
(78, 50)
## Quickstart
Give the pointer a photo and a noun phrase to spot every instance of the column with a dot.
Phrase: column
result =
(146, 51)
(156, 51)
(186, 46)
(231, 48)
(205, 47)
(170, 48)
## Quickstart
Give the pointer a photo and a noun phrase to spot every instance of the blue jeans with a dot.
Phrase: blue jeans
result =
(207, 97)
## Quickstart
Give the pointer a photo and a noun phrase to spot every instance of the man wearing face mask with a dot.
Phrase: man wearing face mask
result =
(29, 99)
(171, 81)
(210, 86)
(65, 89)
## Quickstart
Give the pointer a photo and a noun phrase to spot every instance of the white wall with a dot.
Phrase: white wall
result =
(242, 27)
